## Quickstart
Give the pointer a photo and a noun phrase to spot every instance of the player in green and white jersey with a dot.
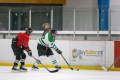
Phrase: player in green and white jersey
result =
(45, 46)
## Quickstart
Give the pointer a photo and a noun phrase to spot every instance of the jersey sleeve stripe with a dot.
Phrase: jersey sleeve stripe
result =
(41, 42)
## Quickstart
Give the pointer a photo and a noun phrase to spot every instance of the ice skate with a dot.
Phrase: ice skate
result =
(57, 67)
(22, 69)
(34, 67)
(14, 69)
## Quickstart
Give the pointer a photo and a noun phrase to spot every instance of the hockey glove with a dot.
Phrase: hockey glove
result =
(58, 51)
(30, 53)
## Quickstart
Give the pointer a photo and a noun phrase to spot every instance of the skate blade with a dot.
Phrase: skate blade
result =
(22, 70)
(13, 71)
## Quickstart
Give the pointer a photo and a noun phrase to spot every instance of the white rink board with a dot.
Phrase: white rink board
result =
(66, 46)
(110, 53)
(7, 56)
(88, 53)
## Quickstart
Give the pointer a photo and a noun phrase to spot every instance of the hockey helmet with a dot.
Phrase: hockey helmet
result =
(54, 31)
(28, 31)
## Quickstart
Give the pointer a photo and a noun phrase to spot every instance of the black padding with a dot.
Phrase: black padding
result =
(23, 56)
(18, 57)
(16, 49)
(43, 50)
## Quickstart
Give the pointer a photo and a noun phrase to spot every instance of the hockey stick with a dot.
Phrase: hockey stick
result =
(69, 65)
(111, 65)
(45, 67)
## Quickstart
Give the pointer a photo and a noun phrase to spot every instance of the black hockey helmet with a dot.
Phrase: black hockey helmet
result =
(54, 31)
(28, 30)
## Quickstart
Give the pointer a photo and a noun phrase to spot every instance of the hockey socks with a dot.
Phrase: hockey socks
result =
(40, 59)
(53, 60)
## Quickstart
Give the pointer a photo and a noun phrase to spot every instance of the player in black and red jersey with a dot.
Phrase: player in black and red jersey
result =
(20, 43)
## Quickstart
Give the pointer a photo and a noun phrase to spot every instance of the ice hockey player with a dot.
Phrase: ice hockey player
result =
(45, 46)
(19, 44)
(46, 27)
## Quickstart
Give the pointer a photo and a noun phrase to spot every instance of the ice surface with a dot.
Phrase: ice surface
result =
(64, 74)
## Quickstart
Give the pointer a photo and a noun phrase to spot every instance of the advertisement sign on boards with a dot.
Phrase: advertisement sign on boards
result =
(87, 53)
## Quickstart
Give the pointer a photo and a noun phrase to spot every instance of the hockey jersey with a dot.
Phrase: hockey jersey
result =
(48, 41)
(23, 39)
(45, 31)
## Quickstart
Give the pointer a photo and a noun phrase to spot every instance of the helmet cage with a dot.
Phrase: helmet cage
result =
(29, 31)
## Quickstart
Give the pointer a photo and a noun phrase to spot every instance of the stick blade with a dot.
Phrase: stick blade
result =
(54, 71)
(104, 68)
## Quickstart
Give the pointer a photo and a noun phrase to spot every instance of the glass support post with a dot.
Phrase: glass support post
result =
(74, 23)
(9, 23)
(30, 18)
(97, 24)
(109, 24)
(52, 18)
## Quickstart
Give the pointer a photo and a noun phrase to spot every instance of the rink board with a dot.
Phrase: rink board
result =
(90, 53)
